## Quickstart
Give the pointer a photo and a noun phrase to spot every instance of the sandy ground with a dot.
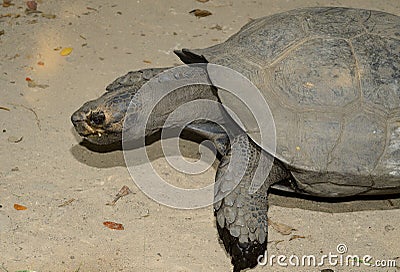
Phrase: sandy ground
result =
(43, 165)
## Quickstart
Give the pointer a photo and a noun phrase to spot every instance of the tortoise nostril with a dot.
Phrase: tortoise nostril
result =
(97, 118)
(77, 117)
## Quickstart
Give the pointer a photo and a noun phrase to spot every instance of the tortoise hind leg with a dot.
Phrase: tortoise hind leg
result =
(240, 210)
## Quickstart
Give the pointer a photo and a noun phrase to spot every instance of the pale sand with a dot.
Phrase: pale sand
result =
(107, 42)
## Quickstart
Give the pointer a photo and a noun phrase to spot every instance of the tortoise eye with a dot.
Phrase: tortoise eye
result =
(97, 118)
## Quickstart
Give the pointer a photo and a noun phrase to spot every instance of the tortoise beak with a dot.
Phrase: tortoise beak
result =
(78, 119)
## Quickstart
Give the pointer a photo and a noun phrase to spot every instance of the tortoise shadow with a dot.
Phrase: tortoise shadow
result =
(334, 205)
(109, 156)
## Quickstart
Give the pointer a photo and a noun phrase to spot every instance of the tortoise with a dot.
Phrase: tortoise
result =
(331, 77)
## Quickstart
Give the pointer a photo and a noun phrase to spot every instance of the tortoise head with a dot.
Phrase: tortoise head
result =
(101, 120)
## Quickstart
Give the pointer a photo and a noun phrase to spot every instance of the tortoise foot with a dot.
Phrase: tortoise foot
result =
(243, 255)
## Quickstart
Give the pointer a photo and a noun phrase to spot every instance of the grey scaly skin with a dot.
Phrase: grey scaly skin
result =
(241, 216)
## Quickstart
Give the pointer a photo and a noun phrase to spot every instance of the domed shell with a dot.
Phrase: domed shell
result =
(331, 78)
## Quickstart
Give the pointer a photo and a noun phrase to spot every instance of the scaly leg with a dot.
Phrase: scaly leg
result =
(242, 213)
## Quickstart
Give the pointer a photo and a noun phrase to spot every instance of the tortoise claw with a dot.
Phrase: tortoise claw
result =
(243, 255)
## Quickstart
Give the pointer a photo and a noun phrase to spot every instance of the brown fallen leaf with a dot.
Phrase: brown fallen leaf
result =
(2, 32)
(296, 237)
(32, 5)
(19, 207)
(4, 108)
(200, 12)
(122, 192)
(146, 61)
(113, 225)
(203, 1)
(281, 228)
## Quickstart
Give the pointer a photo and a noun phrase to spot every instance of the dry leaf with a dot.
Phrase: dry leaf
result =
(146, 61)
(41, 63)
(19, 207)
(296, 237)
(122, 192)
(113, 225)
(281, 228)
(66, 51)
(200, 12)
(203, 1)
(32, 5)
(2, 32)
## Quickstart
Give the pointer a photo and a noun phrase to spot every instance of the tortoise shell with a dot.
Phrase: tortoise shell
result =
(331, 78)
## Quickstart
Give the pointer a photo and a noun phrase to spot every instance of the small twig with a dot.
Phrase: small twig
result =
(4, 108)
(2, 267)
(67, 202)
(31, 110)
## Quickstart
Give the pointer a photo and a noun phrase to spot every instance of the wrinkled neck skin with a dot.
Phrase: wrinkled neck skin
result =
(177, 109)
(164, 104)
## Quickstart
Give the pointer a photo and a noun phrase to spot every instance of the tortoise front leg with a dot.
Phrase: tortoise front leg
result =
(241, 213)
